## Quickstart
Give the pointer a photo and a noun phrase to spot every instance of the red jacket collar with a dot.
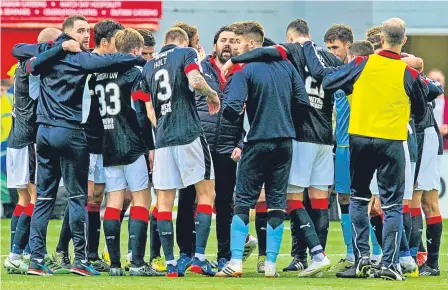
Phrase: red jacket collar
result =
(237, 67)
(222, 81)
(389, 54)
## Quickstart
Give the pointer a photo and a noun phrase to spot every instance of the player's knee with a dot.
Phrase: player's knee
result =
(275, 218)
(99, 190)
(430, 207)
(344, 199)
(295, 192)
(363, 201)
(318, 191)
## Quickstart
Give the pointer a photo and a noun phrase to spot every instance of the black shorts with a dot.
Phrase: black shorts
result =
(268, 163)
(95, 140)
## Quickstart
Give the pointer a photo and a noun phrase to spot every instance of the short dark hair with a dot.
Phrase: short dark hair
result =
(128, 39)
(105, 29)
(253, 29)
(373, 35)
(300, 26)
(176, 33)
(394, 31)
(221, 30)
(148, 37)
(361, 48)
(189, 29)
(70, 21)
(339, 32)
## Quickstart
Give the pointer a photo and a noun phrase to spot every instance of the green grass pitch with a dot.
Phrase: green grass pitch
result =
(250, 279)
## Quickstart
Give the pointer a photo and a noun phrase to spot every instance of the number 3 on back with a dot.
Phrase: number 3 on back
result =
(163, 78)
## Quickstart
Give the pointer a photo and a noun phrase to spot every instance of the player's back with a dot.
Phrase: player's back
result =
(315, 125)
(24, 127)
(270, 97)
(165, 78)
(122, 142)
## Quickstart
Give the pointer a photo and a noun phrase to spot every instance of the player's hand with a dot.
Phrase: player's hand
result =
(303, 39)
(151, 160)
(236, 154)
(444, 130)
(226, 68)
(71, 46)
(214, 105)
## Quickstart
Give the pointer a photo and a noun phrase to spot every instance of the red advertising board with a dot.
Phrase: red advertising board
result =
(38, 14)
(21, 21)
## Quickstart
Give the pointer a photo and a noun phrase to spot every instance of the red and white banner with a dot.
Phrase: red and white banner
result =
(36, 14)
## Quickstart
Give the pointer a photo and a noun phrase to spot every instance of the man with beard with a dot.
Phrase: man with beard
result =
(225, 139)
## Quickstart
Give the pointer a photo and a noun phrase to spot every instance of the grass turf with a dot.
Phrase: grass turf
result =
(250, 280)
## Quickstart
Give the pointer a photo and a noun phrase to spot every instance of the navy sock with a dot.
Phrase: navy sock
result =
(155, 244)
(66, 235)
(14, 219)
(203, 222)
(166, 233)
(275, 228)
(138, 227)
(126, 204)
(434, 228)
(416, 231)
(294, 241)
(94, 226)
(377, 227)
(304, 226)
(407, 221)
(23, 230)
(321, 219)
(261, 219)
(239, 231)
(112, 228)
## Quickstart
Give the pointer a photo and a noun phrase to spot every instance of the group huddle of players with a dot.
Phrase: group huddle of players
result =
(140, 119)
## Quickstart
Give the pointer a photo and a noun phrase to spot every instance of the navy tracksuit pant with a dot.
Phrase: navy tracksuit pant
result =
(61, 152)
(388, 158)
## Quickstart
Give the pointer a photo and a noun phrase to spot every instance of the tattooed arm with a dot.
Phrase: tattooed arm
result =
(198, 83)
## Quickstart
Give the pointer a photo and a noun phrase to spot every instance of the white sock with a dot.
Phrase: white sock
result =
(350, 257)
(129, 257)
(319, 257)
(236, 262)
(407, 259)
(201, 257)
(270, 265)
(171, 262)
(14, 257)
(375, 257)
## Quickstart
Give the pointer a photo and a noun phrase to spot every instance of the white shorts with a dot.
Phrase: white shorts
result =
(177, 167)
(311, 165)
(429, 173)
(408, 176)
(96, 170)
(133, 176)
(18, 167)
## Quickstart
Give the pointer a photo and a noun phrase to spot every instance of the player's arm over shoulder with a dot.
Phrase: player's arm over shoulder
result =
(345, 77)
(417, 90)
